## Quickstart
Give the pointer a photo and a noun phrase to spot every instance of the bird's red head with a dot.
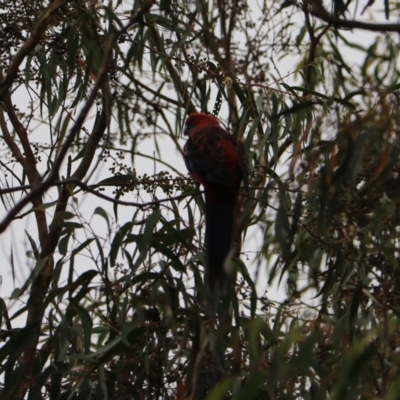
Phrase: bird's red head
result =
(199, 120)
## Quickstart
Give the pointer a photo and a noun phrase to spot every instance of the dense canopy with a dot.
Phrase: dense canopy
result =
(102, 228)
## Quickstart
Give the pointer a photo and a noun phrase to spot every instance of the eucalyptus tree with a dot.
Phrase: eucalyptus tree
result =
(94, 97)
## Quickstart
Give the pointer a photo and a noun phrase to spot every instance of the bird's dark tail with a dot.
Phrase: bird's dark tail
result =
(219, 233)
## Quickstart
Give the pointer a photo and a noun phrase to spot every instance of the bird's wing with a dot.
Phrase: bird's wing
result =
(211, 155)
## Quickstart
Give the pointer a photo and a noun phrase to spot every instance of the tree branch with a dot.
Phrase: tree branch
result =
(29, 44)
(315, 8)
(28, 162)
(41, 283)
(91, 189)
(41, 188)
(15, 150)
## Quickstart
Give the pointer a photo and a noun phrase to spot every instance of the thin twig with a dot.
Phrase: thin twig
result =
(315, 8)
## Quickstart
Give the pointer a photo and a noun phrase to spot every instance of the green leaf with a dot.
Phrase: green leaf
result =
(28, 69)
(71, 226)
(13, 348)
(92, 356)
(282, 230)
(72, 49)
(354, 308)
(82, 246)
(100, 211)
(44, 206)
(239, 92)
(165, 23)
(59, 219)
(34, 274)
(33, 245)
(118, 180)
(117, 242)
(63, 244)
(312, 92)
(112, 16)
(87, 325)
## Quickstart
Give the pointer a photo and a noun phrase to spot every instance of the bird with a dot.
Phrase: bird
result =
(216, 160)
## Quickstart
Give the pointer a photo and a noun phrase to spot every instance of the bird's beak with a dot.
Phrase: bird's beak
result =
(187, 130)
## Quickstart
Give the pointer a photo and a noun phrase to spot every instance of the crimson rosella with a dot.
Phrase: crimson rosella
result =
(217, 160)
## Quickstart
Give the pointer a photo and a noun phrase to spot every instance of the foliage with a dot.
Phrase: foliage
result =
(114, 305)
